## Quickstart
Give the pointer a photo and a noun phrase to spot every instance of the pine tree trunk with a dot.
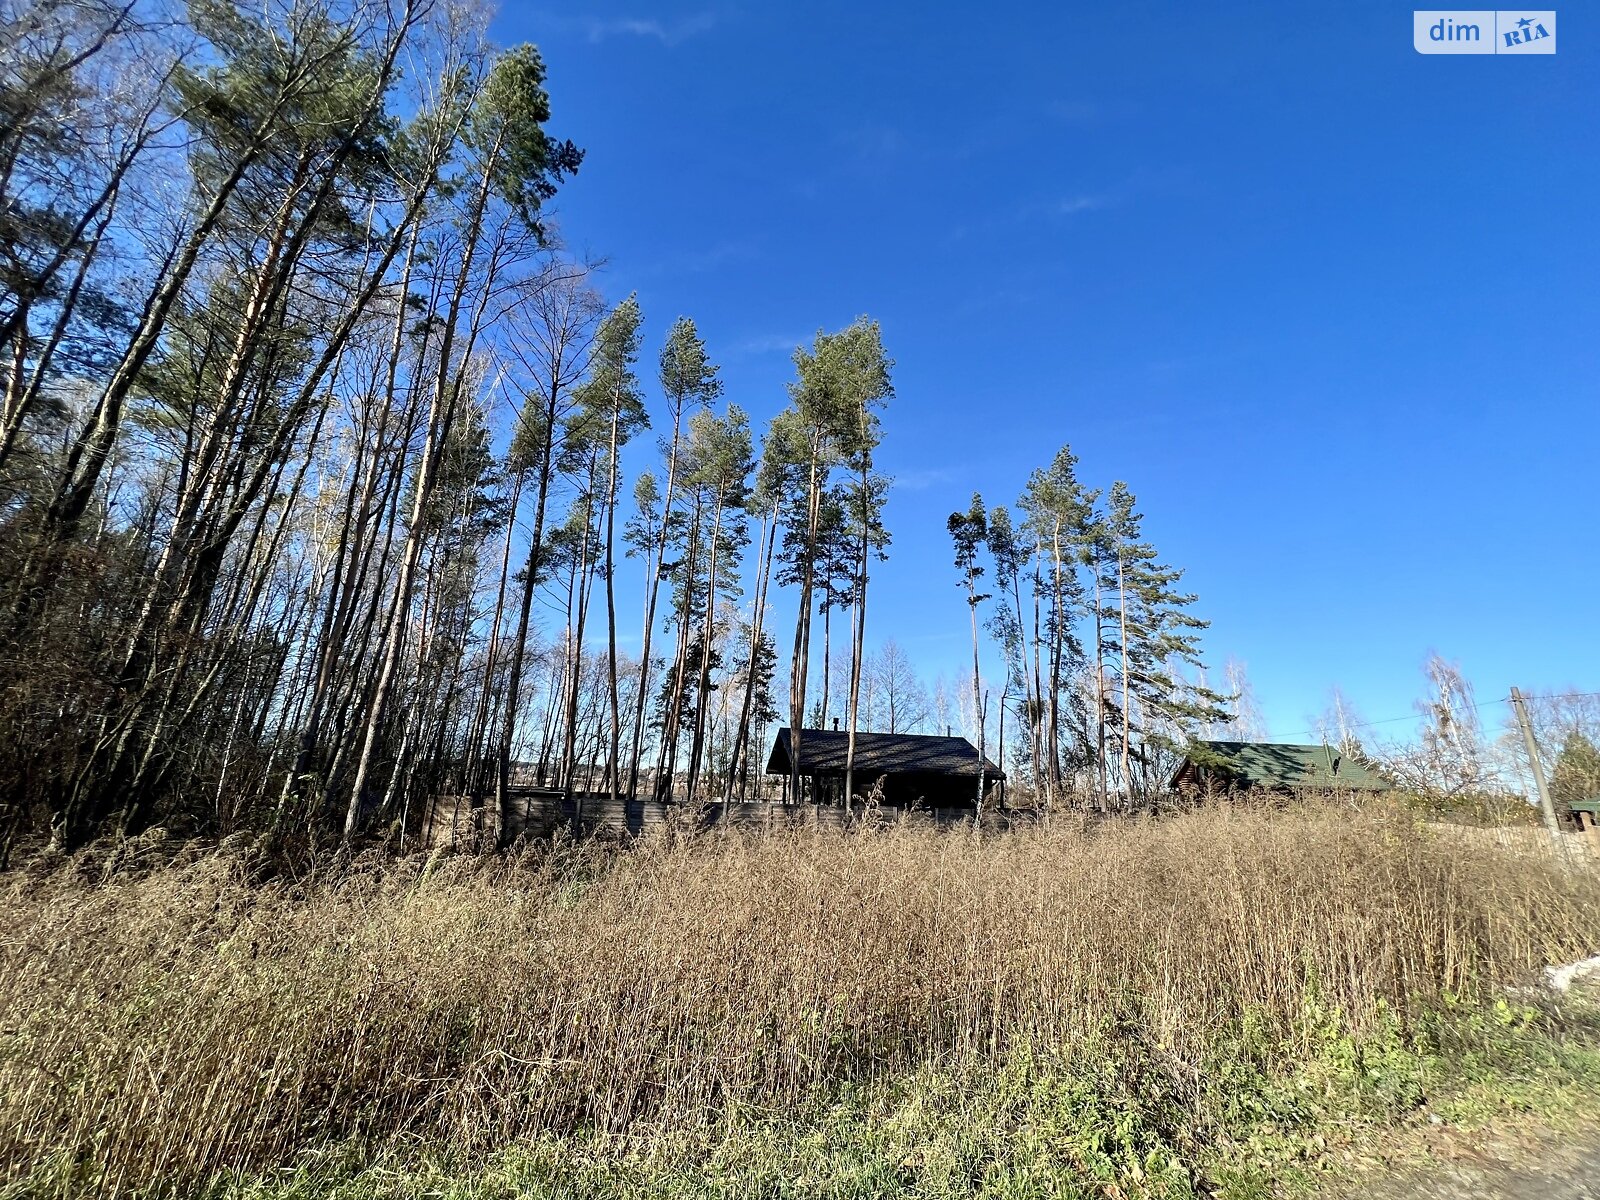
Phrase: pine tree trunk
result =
(441, 418)
(741, 750)
(478, 737)
(1099, 693)
(1058, 619)
(1127, 712)
(330, 639)
(802, 626)
(569, 763)
(977, 683)
(827, 655)
(672, 724)
(859, 624)
(703, 684)
(653, 562)
(1041, 719)
(611, 606)
(519, 644)
(92, 449)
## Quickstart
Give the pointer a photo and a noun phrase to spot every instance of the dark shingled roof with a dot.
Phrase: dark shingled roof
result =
(822, 751)
(1287, 765)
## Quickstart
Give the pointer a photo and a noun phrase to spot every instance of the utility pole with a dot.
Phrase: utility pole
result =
(1550, 821)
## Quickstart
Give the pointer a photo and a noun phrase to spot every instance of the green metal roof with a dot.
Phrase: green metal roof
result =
(1287, 765)
(1591, 806)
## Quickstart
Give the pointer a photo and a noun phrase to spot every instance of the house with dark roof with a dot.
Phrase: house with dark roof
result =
(1274, 767)
(917, 770)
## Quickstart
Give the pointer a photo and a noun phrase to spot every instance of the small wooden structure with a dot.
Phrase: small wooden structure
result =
(916, 770)
(1586, 815)
(535, 812)
(1273, 767)
(539, 813)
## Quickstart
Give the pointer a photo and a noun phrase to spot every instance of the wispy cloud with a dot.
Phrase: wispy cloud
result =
(768, 343)
(927, 639)
(1070, 205)
(1141, 183)
(1057, 208)
(985, 300)
(668, 33)
(711, 258)
(1077, 204)
(873, 142)
(923, 478)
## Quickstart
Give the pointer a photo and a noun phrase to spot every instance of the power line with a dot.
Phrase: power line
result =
(1417, 716)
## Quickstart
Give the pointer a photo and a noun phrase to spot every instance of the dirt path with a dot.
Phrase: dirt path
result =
(1578, 1179)
(1510, 1166)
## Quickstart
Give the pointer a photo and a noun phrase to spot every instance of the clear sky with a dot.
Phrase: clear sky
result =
(1331, 307)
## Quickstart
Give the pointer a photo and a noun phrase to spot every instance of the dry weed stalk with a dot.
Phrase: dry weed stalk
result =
(171, 1022)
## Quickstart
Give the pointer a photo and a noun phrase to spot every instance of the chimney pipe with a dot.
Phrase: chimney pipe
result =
(836, 724)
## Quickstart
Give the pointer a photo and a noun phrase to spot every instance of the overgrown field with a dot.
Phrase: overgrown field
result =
(1203, 1004)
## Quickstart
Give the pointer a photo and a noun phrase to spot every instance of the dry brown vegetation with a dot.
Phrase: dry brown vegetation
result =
(165, 1020)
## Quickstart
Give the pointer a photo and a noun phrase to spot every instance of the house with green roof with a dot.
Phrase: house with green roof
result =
(1585, 813)
(1274, 767)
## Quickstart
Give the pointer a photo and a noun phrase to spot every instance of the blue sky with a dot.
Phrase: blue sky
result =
(1331, 307)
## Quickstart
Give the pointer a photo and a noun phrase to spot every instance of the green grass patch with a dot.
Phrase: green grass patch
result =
(1110, 1117)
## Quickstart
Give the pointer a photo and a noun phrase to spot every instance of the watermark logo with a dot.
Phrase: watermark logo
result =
(1532, 33)
(1484, 31)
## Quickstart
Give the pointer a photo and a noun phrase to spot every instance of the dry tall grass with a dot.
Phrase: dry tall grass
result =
(166, 1024)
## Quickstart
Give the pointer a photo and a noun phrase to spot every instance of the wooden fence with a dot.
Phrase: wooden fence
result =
(540, 812)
